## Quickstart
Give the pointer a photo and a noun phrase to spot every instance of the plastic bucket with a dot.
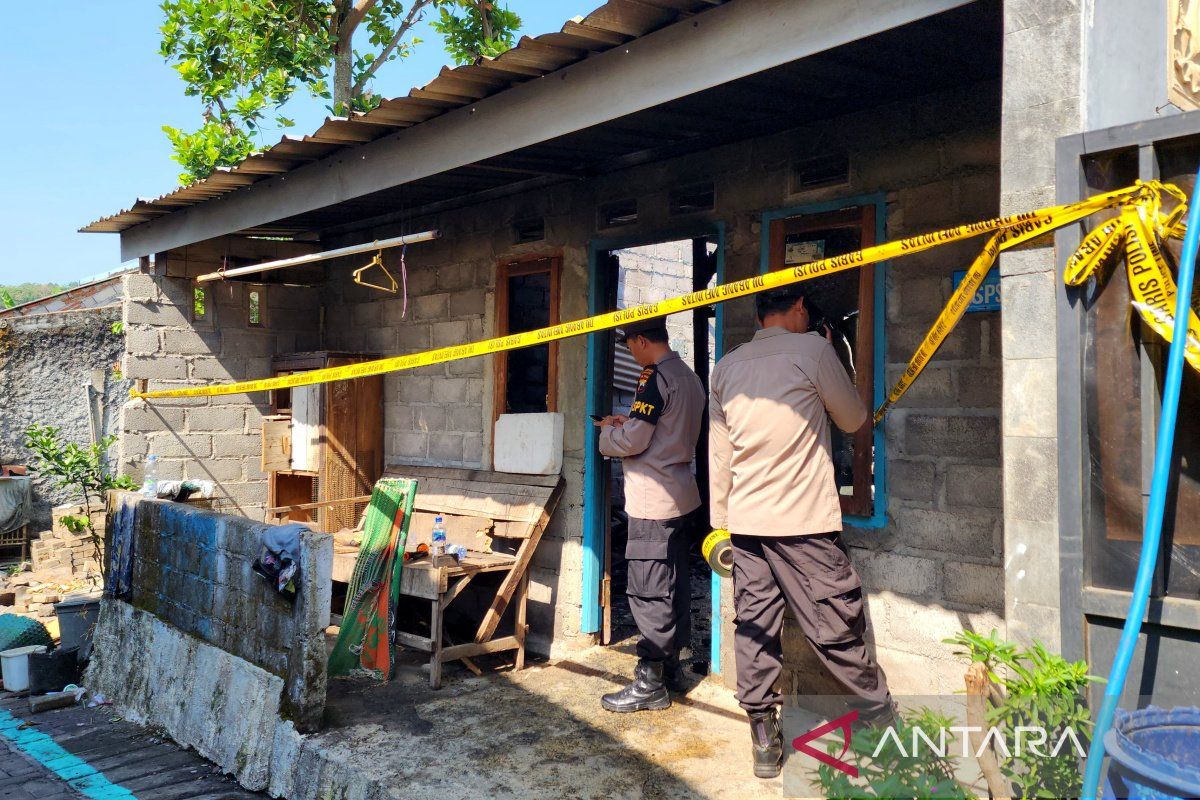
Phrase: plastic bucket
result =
(1155, 754)
(14, 666)
(77, 615)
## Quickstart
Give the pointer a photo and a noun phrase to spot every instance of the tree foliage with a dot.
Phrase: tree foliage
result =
(245, 60)
(16, 294)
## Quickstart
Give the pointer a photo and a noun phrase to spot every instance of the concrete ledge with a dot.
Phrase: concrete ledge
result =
(202, 697)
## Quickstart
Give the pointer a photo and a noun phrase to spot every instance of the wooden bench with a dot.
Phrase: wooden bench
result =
(500, 518)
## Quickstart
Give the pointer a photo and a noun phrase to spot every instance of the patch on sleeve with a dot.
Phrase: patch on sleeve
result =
(648, 401)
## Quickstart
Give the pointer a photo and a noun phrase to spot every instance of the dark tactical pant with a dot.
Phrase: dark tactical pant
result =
(814, 577)
(659, 586)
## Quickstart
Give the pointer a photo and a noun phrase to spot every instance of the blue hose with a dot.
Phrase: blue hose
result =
(1156, 508)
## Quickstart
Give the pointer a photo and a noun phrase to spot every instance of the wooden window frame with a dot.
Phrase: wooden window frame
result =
(858, 504)
(514, 268)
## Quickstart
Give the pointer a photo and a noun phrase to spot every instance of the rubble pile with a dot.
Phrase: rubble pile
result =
(63, 562)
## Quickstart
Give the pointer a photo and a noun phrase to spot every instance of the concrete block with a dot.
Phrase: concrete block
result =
(467, 419)
(236, 444)
(180, 445)
(979, 387)
(230, 419)
(446, 334)
(911, 480)
(473, 449)
(948, 533)
(204, 368)
(412, 337)
(1030, 478)
(450, 390)
(1031, 556)
(429, 418)
(979, 585)
(162, 368)
(410, 445)
(219, 470)
(1029, 623)
(955, 436)
(446, 447)
(468, 303)
(414, 389)
(140, 286)
(934, 388)
(143, 341)
(142, 416)
(1028, 315)
(1031, 397)
(908, 575)
(974, 485)
(453, 277)
(150, 312)
(191, 342)
(429, 307)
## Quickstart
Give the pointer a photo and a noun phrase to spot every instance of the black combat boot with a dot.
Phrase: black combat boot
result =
(673, 675)
(766, 738)
(645, 693)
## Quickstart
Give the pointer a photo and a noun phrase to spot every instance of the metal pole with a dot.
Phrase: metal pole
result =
(267, 266)
(1156, 507)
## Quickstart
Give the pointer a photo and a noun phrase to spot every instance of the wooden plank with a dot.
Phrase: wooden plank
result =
(343, 566)
(480, 648)
(491, 619)
(276, 443)
(457, 473)
(414, 641)
(422, 580)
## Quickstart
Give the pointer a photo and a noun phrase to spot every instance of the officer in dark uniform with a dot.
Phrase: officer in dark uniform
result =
(657, 444)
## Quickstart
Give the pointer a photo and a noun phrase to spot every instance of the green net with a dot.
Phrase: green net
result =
(18, 631)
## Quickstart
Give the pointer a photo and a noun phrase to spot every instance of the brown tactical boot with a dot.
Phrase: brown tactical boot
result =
(766, 738)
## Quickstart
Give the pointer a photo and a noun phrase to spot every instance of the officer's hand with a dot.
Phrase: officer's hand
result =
(828, 334)
(618, 420)
(612, 419)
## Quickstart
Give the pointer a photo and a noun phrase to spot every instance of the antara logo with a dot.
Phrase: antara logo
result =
(842, 723)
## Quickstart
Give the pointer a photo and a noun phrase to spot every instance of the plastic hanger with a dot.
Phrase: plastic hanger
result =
(377, 261)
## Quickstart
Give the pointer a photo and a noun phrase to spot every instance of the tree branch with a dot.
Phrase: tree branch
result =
(356, 14)
(415, 12)
(483, 16)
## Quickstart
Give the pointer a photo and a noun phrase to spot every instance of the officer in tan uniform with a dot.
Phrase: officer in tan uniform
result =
(772, 487)
(657, 443)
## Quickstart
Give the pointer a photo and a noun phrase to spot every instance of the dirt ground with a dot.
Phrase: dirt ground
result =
(541, 733)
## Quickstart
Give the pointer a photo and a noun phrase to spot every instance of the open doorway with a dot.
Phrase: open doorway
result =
(632, 276)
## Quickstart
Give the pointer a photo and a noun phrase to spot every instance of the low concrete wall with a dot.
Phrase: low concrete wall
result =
(191, 572)
(224, 707)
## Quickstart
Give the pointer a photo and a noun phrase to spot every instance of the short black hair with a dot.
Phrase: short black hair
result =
(778, 301)
(653, 334)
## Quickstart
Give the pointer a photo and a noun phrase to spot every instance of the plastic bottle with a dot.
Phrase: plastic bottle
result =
(439, 539)
(150, 477)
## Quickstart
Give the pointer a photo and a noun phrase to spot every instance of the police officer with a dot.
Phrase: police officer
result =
(657, 443)
(772, 487)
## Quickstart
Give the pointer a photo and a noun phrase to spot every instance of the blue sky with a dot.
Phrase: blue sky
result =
(86, 95)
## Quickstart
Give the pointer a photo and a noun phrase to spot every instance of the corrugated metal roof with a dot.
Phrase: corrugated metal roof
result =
(613, 24)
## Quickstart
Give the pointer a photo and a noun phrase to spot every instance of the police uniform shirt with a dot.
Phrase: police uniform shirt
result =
(771, 466)
(658, 441)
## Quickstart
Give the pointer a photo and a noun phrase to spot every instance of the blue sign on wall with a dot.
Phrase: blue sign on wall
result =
(987, 297)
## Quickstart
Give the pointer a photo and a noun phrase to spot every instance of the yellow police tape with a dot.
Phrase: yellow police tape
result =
(1140, 220)
(717, 550)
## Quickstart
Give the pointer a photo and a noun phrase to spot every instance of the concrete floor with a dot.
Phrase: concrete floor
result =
(538, 733)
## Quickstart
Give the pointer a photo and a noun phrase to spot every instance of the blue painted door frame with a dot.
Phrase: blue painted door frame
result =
(594, 508)
(878, 516)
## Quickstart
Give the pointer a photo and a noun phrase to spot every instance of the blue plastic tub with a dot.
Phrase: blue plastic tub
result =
(1155, 754)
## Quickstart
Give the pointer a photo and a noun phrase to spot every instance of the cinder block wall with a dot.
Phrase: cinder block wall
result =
(191, 569)
(935, 567)
(218, 438)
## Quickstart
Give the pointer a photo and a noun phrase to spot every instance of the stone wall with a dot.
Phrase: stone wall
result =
(1042, 101)
(218, 438)
(191, 569)
(45, 363)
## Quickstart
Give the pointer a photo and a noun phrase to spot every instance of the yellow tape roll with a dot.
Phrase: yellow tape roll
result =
(718, 552)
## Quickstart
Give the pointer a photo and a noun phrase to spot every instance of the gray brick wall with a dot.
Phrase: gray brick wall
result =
(191, 569)
(216, 439)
